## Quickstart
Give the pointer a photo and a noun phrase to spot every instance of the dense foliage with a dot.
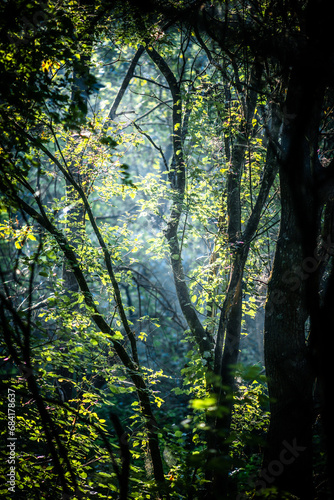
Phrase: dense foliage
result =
(140, 209)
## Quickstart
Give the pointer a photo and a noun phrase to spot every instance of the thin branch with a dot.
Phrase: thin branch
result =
(129, 75)
(151, 81)
(149, 138)
(99, 236)
(130, 364)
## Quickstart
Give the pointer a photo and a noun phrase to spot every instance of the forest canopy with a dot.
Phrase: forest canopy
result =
(166, 249)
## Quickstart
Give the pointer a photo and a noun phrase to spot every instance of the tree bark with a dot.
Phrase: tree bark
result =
(287, 355)
(288, 367)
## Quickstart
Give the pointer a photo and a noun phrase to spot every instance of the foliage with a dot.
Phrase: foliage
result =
(73, 363)
(139, 212)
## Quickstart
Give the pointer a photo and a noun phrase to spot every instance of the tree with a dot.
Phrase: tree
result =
(292, 42)
(210, 95)
(25, 136)
(222, 360)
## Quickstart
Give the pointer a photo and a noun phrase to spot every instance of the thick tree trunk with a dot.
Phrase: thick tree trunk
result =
(288, 458)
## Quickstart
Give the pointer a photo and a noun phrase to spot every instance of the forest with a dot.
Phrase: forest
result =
(166, 249)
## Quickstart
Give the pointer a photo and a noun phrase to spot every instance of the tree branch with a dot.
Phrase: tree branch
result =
(201, 336)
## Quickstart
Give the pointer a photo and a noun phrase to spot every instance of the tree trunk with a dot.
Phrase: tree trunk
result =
(229, 330)
(288, 458)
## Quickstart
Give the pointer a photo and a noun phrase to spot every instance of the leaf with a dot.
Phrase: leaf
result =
(142, 336)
